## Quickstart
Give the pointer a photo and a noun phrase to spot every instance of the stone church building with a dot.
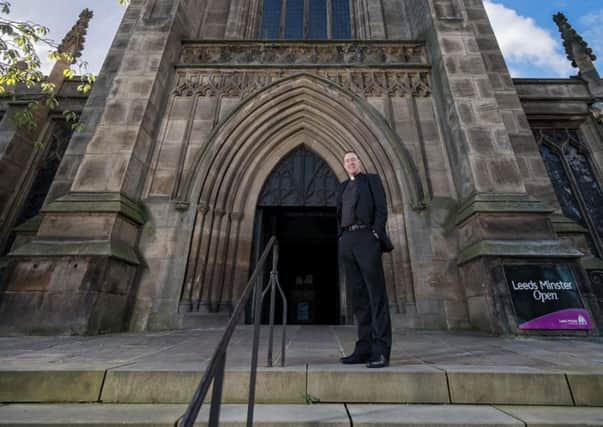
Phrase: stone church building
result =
(215, 124)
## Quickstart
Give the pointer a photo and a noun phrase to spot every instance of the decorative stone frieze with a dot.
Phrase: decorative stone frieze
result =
(286, 54)
(363, 83)
(597, 111)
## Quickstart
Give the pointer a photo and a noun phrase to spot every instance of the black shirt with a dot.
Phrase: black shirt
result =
(348, 203)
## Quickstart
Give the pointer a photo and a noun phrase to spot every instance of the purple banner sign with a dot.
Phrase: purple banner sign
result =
(571, 318)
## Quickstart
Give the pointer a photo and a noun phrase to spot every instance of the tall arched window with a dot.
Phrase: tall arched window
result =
(574, 179)
(306, 19)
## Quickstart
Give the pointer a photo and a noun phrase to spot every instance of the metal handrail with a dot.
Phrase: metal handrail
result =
(216, 369)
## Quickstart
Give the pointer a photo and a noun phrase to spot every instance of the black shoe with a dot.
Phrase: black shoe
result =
(378, 362)
(355, 358)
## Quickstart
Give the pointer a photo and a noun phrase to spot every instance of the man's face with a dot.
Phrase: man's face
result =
(351, 164)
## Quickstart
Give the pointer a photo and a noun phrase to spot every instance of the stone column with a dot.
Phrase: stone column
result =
(497, 222)
(78, 273)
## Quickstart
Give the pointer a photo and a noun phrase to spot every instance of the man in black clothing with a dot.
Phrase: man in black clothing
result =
(361, 216)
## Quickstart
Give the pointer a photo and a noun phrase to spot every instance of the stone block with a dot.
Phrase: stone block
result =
(506, 175)
(77, 225)
(356, 384)
(523, 144)
(92, 173)
(429, 415)
(488, 113)
(508, 101)
(472, 65)
(163, 182)
(462, 88)
(466, 112)
(487, 43)
(282, 415)
(169, 157)
(481, 140)
(43, 385)
(176, 130)
(495, 62)
(548, 416)
(181, 108)
(508, 386)
(587, 387)
(274, 385)
(73, 295)
(451, 45)
(72, 415)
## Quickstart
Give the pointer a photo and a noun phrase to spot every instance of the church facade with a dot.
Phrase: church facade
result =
(215, 124)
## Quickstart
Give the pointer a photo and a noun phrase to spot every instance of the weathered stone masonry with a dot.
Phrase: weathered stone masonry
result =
(149, 221)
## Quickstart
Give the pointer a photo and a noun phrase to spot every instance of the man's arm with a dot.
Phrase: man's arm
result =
(338, 208)
(380, 204)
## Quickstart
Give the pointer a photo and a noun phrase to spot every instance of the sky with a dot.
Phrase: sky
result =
(525, 30)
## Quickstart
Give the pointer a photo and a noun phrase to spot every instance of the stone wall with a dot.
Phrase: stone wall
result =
(202, 103)
(188, 119)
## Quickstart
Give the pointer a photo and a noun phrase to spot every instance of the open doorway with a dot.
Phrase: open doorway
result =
(308, 265)
(297, 205)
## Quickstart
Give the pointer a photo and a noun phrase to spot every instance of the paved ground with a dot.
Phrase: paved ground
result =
(190, 349)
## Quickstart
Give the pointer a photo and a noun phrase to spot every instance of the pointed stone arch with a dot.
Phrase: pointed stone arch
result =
(229, 172)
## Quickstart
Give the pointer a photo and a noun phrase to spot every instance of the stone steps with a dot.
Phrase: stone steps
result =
(159, 415)
(411, 384)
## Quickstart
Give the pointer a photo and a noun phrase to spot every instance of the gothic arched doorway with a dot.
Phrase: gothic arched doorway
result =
(297, 205)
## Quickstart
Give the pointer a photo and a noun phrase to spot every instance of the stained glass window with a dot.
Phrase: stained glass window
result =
(294, 22)
(341, 19)
(588, 185)
(271, 19)
(318, 19)
(576, 186)
(46, 171)
(306, 19)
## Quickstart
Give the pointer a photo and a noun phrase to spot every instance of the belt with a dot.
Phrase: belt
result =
(355, 227)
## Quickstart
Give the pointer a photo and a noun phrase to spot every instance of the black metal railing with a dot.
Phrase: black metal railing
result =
(216, 368)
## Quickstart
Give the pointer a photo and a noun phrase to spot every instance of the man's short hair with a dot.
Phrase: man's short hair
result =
(351, 152)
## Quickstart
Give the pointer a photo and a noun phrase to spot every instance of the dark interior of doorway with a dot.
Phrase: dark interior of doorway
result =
(308, 265)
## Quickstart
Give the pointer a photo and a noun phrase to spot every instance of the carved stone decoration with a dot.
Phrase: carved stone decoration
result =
(575, 45)
(317, 54)
(73, 42)
(362, 83)
(597, 111)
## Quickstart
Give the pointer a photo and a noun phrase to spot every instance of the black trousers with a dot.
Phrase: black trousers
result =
(360, 254)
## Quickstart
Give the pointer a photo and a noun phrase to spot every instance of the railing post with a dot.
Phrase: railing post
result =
(273, 275)
(255, 349)
(216, 395)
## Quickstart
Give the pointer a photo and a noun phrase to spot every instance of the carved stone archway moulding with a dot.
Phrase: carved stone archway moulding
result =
(228, 174)
(366, 83)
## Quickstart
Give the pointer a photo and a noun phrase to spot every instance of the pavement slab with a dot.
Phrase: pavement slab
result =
(164, 415)
(546, 416)
(586, 386)
(507, 385)
(32, 385)
(72, 415)
(396, 384)
(429, 415)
